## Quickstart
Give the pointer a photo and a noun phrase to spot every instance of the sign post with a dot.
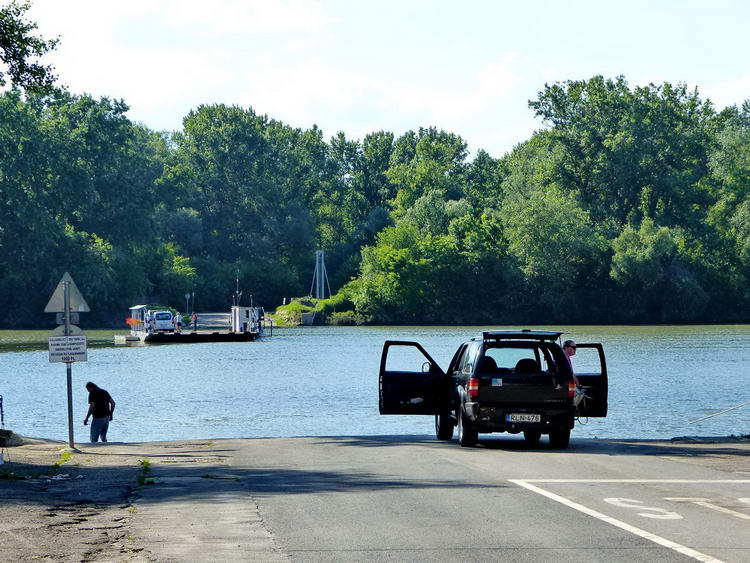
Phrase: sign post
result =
(71, 347)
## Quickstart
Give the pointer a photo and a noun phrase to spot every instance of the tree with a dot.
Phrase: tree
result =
(437, 162)
(19, 49)
(556, 246)
(631, 153)
(653, 267)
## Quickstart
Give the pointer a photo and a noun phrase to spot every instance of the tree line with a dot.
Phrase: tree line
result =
(630, 205)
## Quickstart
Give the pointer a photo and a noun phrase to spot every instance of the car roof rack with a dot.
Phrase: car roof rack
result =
(525, 334)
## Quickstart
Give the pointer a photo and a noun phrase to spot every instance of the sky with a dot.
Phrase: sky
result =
(359, 66)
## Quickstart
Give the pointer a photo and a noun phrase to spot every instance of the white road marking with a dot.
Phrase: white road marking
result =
(708, 504)
(613, 521)
(657, 513)
(688, 481)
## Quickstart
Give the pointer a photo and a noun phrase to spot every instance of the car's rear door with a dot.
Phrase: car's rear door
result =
(410, 381)
(592, 376)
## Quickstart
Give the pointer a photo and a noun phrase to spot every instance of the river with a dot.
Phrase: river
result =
(322, 381)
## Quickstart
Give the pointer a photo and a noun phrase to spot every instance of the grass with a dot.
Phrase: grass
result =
(291, 314)
(30, 340)
(65, 457)
(144, 473)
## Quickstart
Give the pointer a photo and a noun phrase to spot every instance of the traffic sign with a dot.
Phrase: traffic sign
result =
(75, 318)
(57, 301)
(74, 331)
(67, 349)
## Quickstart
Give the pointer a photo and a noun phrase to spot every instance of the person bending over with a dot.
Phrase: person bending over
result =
(101, 407)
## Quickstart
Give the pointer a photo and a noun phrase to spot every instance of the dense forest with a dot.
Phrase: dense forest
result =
(630, 205)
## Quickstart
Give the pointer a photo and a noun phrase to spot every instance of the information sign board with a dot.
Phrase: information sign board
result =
(67, 349)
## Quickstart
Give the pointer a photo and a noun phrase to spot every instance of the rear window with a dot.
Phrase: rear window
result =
(509, 357)
(523, 357)
(163, 316)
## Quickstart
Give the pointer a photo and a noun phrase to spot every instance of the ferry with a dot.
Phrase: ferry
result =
(150, 324)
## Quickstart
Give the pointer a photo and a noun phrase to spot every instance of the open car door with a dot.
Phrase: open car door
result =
(593, 379)
(413, 383)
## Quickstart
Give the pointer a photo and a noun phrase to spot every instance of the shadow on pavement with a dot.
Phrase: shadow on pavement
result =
(690, 447)
(200, 474)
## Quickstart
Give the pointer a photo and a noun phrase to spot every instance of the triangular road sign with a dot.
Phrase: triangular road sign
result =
(57, 301)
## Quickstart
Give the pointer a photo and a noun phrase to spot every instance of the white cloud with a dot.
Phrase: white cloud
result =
(165, 58)
(313, 90)
(728, 93)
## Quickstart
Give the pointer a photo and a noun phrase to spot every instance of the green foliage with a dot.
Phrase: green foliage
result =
(631, 153)
(652, 265)
(65, 457)
(634, 205)
(642, 256)
(291, 314)
(144, 474)
(555, 245)
(19, 49)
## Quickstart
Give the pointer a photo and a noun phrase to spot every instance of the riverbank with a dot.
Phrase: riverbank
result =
(158, 501)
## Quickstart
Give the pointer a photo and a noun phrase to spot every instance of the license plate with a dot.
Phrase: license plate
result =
(523, 417)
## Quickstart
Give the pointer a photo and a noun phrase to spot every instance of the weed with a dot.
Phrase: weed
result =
(64, 458)
(132, 510)
(144, 473)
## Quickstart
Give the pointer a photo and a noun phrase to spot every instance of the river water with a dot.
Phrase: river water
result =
(322, 381)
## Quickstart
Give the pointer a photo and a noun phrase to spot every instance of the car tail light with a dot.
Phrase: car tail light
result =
(571, 389)
(473, 387)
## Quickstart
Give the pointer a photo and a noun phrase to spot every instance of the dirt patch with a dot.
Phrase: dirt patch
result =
(62, 505)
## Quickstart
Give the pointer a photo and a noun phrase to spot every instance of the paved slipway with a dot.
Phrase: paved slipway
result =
(372, 499)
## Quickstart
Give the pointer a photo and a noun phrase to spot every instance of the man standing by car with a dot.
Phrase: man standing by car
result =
(569, 347)
(101, 407)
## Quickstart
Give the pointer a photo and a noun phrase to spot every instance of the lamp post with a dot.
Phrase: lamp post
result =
(187, 303)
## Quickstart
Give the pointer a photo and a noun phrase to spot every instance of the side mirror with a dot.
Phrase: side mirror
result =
(426, 367)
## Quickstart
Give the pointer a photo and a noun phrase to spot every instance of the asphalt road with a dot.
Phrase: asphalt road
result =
(417, 499)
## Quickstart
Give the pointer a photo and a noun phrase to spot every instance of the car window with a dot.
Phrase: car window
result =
(470, 357)
(458, 358)
(163, 316)
(508, 357)
(586, 360)
(405, 358)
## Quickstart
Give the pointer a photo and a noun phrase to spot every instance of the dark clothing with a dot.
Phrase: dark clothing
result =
(101, 400)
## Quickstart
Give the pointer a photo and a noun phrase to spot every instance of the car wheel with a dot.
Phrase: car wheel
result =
(559, 439)
(532, 437)
(443, 426)
(467, 437)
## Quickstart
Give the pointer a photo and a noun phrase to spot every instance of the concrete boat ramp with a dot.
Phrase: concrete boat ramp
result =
(379, 498)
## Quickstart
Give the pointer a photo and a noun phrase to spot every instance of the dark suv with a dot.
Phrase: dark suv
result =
(503, 381)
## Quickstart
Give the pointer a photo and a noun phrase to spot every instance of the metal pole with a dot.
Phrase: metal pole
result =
(69, 366)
